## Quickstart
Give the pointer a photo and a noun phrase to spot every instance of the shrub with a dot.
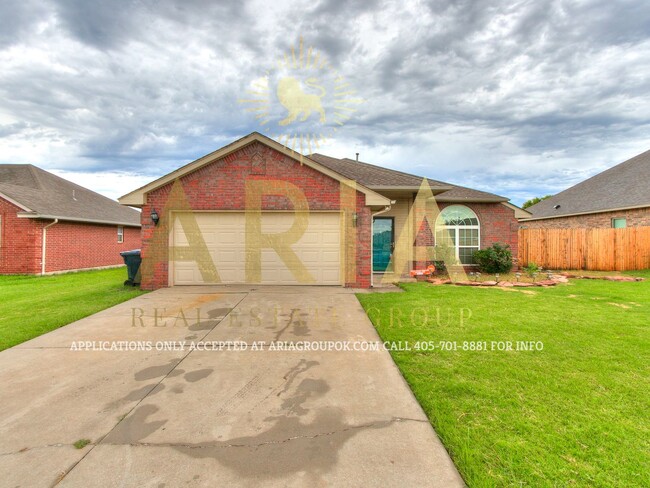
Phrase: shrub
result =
(495, 259)
(441, 267)
(443, 256)
(531, 269)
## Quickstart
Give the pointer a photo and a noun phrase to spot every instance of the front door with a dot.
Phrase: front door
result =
(383, 242)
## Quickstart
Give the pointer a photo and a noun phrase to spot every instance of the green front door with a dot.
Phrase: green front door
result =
(383, 239)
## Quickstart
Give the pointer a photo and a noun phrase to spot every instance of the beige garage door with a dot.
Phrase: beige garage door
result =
(318, 249)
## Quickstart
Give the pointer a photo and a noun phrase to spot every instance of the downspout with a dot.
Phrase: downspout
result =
(56, 221)
(372, 225)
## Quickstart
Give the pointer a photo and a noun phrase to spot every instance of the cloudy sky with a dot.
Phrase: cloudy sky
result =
(521, 98)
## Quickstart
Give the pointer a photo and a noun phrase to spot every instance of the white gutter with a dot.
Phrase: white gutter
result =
(372, 225)
(56, 221)
(76, 219)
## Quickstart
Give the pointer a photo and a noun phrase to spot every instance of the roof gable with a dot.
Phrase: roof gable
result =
(622, 186)
(44, 195)
(138, 197)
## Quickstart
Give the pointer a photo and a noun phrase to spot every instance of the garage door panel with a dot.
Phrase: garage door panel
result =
(310, 238)
(185, 275)
(309, 256)
(330, 257)
(224, 234)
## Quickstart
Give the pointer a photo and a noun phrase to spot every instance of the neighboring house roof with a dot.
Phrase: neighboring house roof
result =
(379, 178)
(621, 187)
(41, 194)
(137, 198)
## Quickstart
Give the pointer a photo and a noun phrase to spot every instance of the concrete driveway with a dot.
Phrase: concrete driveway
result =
(162, 415)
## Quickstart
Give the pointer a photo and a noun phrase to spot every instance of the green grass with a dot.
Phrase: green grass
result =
(81, 443)
(33, 305)
(576, 413)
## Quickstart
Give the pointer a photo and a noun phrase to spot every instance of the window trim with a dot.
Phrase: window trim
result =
(456, 229)
(614, 219)
(120, 234)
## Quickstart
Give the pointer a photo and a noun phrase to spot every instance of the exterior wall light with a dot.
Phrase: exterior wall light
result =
(155, 217)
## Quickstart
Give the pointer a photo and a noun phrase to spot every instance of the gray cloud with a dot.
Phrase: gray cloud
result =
(520, 98)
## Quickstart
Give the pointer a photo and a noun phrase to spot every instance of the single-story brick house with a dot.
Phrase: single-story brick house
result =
(615, 198)
(254, 211)
(49, 224)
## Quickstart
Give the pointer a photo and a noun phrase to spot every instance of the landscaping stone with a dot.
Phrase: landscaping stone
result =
(547, 283)
(439, 281)
(622, 278)
(554, 280)
(565, 276)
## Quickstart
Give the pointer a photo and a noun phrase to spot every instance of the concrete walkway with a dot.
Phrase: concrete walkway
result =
(190, 417)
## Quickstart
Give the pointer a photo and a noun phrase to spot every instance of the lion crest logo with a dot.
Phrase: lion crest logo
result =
(304, 96)
(297, 102)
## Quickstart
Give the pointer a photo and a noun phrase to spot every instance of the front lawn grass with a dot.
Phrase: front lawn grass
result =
(33, 305)
(576, 413)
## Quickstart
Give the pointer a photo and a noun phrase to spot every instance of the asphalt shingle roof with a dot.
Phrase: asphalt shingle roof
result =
(624, 185)
(378, 178)
(48, 195)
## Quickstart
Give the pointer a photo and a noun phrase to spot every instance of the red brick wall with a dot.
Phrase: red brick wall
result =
(69, 245)
(637, 217)
(497, 224)
(20, 242)
(74, 245)
(221, 186)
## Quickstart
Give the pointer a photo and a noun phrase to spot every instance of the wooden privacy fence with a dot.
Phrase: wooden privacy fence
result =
(595, 249)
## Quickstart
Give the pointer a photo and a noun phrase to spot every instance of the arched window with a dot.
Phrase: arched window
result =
(458, 227)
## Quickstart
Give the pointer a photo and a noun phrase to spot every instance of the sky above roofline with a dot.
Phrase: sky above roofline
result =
(519, 98)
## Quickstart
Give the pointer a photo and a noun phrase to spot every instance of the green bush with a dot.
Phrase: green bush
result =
(443, 256)
(531, 269)
(495, 259)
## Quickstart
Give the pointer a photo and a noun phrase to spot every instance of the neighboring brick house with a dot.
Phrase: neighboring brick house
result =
(615, 198)
(256, 212)
(49, 224)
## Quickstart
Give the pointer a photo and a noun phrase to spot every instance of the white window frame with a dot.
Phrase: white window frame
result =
(120, 234)
(456, 229)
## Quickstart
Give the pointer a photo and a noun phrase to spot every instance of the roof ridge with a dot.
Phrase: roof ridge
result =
(32, 170)
(604, 173)
(383, 167)
(349, 164)
(610, 188)
(72, 183)
(380, 167)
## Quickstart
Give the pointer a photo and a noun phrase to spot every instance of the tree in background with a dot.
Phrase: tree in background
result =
(533, 201)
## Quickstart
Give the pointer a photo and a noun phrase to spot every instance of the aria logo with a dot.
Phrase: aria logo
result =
(303, 101)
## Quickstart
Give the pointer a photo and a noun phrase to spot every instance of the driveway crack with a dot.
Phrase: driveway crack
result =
(25, 449)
